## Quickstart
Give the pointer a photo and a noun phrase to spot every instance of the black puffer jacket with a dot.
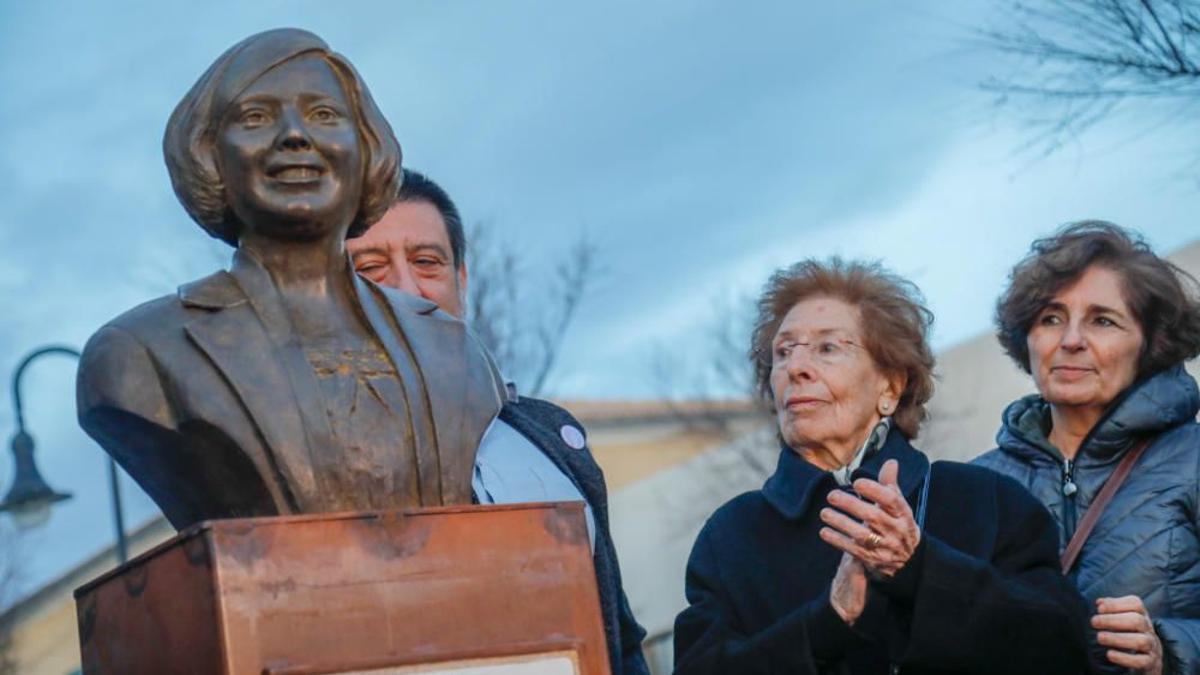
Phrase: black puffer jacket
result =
(1147, 543)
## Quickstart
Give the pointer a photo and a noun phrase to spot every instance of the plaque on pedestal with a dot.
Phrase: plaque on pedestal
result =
(469, 590)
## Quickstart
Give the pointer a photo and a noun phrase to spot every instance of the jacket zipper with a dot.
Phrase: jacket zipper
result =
(1069, 490)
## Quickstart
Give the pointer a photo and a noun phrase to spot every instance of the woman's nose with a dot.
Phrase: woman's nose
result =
(799, 363)
(293, 135)
(1072, 337)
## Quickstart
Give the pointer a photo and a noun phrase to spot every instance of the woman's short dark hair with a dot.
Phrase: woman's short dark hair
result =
(894, 324)
(188, 144)
(1163, 298)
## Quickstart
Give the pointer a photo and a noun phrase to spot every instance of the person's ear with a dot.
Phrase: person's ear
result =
(889, 395)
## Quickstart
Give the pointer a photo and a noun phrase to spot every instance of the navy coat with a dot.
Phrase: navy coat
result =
(1147, 542)
(981, 594)
(541, 422)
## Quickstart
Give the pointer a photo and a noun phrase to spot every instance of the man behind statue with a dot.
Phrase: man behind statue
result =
(534, 450)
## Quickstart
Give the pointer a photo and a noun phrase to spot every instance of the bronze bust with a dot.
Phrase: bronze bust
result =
(286, 384)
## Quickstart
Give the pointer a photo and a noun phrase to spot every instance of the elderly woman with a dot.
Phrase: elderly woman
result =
(857, 556)
(1104, 326)
(286, 384)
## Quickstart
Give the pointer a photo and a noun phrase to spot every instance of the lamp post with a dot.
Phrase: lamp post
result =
(30, 498)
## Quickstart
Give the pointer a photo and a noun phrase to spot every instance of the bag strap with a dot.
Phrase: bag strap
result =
(1075, 546)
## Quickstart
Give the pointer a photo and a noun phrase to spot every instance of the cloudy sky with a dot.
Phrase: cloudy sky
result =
(701, 145)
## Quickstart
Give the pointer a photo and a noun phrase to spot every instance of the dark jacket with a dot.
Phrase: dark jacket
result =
(981, 594)
(1147, 542)
(542, 422)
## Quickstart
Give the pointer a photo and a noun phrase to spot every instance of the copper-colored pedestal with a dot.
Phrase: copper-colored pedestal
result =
(379, 593)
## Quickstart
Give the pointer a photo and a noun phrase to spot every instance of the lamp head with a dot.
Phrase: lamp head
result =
(29, 498)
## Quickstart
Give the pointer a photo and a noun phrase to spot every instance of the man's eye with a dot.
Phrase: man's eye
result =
(368, 268)
(427, 263)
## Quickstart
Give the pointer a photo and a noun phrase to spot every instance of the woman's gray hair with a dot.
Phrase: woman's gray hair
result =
(188, 144)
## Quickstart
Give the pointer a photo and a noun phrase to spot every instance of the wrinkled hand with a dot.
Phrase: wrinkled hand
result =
(848, 594)
(881, 533)
(1125, 628)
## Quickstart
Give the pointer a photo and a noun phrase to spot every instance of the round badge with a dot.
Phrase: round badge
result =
(572, 436)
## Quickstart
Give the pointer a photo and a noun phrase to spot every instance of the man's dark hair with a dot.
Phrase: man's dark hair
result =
(1164, 299)
(417, 187)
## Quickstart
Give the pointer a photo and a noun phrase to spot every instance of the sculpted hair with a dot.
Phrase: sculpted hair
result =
(893, 320)
(1164, 299)
(190, 138)
(417, 187)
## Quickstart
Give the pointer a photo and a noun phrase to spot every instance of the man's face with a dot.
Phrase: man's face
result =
(409, 250)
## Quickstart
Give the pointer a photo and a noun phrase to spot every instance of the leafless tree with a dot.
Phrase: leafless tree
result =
(1076, 61)
(705, 374)
(522, 312)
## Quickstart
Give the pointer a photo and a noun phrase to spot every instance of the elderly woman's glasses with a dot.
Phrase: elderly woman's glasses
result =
(828, 351)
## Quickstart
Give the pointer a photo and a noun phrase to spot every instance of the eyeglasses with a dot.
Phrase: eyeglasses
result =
(829, 351)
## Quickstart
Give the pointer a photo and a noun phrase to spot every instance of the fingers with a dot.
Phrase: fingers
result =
(1125, 603)
(846, 525)
(843, 543)
(889, 473)
(865, 511)
(1130, 642)
(883, 560)
(1125, 622)
(888, 497)
(1139, 662)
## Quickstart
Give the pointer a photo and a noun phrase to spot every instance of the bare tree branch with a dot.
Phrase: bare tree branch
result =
(521, 317)
(1075, 61)
(709, 371)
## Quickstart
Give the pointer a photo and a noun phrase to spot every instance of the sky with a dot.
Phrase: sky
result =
(700, 145)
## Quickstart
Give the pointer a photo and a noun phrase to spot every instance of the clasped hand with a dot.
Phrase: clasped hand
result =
(876, 526)
(875, 531)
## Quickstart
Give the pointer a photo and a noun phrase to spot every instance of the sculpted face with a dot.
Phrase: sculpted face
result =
(288, 153)
(828, 391)
(409, 250)
(1084, 346)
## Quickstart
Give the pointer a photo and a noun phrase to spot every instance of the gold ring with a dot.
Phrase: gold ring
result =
(873, 540)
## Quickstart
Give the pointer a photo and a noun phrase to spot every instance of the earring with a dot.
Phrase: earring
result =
(885, 406)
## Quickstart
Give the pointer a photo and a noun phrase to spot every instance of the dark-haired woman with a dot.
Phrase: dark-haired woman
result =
(1104, 326)
(857, 555)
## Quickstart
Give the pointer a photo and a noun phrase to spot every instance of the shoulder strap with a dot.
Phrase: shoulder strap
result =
(1075, 546)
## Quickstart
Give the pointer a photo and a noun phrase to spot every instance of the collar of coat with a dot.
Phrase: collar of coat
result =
(796, 483)
(1146, 408)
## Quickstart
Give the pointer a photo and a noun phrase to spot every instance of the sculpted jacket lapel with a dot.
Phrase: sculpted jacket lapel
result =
(462, 396)
(246, 337)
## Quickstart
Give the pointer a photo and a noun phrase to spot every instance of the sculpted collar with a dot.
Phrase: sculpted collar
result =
(798, 485)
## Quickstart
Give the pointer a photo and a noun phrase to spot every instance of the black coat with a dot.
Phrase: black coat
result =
(981, 594)
(541, 422)
(1147, 542)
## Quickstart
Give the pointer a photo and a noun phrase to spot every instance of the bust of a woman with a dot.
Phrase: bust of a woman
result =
(286, 384)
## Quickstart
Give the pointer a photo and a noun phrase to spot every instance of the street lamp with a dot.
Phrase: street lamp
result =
(29, 499)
